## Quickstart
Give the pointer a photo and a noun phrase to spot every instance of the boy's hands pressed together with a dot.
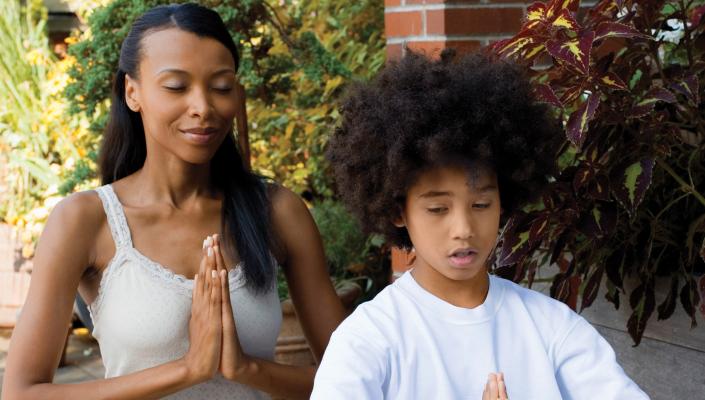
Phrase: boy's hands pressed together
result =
(495, 389)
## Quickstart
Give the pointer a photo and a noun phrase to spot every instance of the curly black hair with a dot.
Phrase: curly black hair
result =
(420, 113)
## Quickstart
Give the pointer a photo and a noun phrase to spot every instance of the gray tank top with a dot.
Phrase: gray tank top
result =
(142, 311)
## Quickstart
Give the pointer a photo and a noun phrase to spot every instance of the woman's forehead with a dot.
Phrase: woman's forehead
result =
(176, 49)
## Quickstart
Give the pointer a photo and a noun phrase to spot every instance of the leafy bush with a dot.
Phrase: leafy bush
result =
(626, 80)
(38, 139)
(296, 57)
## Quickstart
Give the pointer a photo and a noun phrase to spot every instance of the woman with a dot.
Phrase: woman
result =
(172, 175)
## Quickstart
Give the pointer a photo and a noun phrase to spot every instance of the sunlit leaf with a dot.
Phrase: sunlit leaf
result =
(613, 81)
(616, 29)
(574, 52)
(633, 182)
(545, 94)
(565, 20)
(648, 102)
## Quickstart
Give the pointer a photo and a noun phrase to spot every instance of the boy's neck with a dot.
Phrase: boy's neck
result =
(466, 294)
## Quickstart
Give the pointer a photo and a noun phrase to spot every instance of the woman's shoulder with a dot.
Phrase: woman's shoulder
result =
(80, 212)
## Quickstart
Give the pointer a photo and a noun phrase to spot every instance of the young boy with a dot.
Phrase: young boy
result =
(431, 154)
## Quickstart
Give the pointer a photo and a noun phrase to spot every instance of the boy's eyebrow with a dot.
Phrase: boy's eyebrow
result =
(433, 193)
(437, 193)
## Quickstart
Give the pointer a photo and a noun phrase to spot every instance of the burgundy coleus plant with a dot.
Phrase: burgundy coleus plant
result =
(626, 206)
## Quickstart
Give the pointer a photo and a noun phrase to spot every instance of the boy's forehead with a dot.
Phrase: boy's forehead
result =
(453, 179)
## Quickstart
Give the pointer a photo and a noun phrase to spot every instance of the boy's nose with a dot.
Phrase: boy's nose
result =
(463, 226)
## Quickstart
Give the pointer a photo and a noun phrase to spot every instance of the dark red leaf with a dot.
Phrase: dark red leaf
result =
(631, 184)
(701, 287)
(665, 309)
(613, 297)
(533, 267)
(702, 250)
(574, 52)
(690, 298)
(696, 15)
(600, 221)
(616, 29)
(613, 81)
(545, 94)
(580, 118)
(560, 288)
(592, 288)
(565, 20)
(688, 87)
(647, 103)
(613, 267)
(555, 7)
(535, 14)
(515, 243)
(583, 176)
(571, 94)
(643, 302)
(539, 227)
(599, 188)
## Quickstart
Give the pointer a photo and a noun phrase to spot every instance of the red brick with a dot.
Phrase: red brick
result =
(401, 260)
(429, 49)
(474, 21)
(464, 46)
(403, 24)
(425, 2)
(394, 51)
(392, 3)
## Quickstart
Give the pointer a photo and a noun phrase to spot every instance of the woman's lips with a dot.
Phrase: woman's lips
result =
(199, 136)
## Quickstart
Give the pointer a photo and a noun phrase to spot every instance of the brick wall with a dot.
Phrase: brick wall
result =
(432, 25)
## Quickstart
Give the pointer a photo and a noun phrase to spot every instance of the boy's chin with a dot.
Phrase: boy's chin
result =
(463, 274)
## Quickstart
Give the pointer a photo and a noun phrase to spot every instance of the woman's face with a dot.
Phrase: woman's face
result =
(185, 93)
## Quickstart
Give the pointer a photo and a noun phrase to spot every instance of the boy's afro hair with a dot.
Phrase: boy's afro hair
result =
(418, 113)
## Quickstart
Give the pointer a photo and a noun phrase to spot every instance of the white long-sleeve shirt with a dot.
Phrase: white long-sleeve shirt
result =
(409, 344)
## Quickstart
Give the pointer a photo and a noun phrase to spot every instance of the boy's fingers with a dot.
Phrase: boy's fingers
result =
(493, 389)
(501, 387)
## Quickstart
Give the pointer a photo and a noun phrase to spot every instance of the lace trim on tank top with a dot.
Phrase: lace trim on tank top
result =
(125, 251)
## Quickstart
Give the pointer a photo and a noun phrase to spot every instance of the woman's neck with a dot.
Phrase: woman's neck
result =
(171, 180)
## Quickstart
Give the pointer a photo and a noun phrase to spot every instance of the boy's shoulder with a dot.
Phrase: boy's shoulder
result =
(539, 305)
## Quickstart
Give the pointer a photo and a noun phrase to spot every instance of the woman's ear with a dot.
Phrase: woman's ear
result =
(131, 96)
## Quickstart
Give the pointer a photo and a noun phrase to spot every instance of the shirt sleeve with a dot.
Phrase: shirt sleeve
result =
(587, 368)
(353, 367)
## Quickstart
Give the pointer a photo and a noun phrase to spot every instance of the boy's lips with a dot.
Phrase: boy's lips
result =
(463, 257)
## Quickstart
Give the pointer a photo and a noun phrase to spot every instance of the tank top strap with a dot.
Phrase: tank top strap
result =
(116, 217)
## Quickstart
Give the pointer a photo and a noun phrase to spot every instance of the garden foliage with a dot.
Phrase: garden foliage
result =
(626, 77)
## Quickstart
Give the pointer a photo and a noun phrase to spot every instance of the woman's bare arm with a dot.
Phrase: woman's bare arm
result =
(66, 249)
(317, 306)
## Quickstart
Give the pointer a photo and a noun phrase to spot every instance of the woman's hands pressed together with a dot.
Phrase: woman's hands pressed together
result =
(233, 361)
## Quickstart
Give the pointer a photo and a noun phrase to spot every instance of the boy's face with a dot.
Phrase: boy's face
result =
(452, 216)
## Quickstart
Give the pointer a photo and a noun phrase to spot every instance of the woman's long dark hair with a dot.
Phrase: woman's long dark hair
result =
(246, 207)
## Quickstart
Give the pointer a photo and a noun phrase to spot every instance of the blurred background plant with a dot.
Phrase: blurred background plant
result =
(296, 59)
(39, 140)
